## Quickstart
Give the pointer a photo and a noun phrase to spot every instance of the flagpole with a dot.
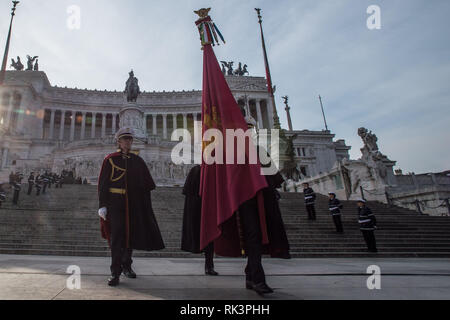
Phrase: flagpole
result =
(5, 55)
(276, 119)
(323, 113)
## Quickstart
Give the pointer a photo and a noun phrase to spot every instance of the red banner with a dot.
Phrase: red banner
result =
(224, 187)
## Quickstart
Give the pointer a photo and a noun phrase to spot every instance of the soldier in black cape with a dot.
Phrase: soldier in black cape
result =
(127, 218)
(279, 244)
(190, 240)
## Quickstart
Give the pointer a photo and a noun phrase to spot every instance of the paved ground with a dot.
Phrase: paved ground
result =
(45, 277)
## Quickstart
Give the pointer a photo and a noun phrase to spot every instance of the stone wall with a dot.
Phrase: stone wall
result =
(428, 193)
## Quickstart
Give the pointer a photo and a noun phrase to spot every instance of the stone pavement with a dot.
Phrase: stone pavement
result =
(45, 277)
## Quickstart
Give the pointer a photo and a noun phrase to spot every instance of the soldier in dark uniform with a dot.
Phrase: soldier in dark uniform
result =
(310, 198)
(335, 207)
(12, 178)
(256, 219)
(127, 218)
(190, 240)
(50, 180)
(38, 184)
(45, 182)
(250, 224)
(60, 180)
(367, 225)
(16, 189)
(30, 183)
(2, 195)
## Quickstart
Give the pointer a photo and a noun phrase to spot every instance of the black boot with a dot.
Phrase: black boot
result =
(129, 273)
(211, 272)
(262, 288)
(113, 281)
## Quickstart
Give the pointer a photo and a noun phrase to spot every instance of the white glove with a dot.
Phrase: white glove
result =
(102, 213)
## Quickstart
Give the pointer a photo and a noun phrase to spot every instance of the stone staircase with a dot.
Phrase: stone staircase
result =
(65, 222)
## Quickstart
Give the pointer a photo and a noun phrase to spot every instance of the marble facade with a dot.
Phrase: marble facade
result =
(46, 127)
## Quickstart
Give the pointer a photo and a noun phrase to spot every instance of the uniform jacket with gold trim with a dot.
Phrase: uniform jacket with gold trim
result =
(125, 182)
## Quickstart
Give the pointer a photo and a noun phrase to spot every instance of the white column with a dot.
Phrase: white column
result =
(164, 126)
(83, 126)
(72, 126)
(114, 119)
(184, 121)
(61, 125)
(154, 124)
(258, 111)
(4, 157)
(94, 118)
(144, 124)
(52, 124)
(20, 117)
(42, 125)
(174, 121)
(9, 111)
(103, 124)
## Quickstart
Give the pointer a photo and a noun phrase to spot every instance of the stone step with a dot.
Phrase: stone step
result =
(64, 222)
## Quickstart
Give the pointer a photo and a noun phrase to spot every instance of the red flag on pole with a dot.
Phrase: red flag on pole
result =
(223, 187)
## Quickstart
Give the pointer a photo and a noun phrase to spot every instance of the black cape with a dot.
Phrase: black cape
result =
(190, 240)
(144, 233)
(278, 242)
(278, 246)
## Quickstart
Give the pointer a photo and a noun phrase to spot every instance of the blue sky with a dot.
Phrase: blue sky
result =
(393, 81)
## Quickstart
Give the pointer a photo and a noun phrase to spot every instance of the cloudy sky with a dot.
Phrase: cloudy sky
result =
(393, 81)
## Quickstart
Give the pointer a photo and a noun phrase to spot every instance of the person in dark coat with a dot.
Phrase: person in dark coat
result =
(16, 186)
(367, 225)
(310, 198)
(2, 195)
(125, 207)
(335, 206)
(45, 181)
(190, 240)
(247, 225)
(30, 183)
(279, 244)
(38, 184)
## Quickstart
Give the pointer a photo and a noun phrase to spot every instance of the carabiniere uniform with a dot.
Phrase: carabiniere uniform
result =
(124, 189)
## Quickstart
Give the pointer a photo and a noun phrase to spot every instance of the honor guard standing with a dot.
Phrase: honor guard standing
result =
(127, 218)
(2, 195)
(310, 198)
(12, 178)
(45, 182)
(30, 183)
(16, 188)
(50, 180)
(335, 207)
(251, 220)
(367, 225)
(38, 184)
(59, 180)
(56, 179)
(190, 240)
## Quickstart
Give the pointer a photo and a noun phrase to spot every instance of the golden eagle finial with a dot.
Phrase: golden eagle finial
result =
(203, 12)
